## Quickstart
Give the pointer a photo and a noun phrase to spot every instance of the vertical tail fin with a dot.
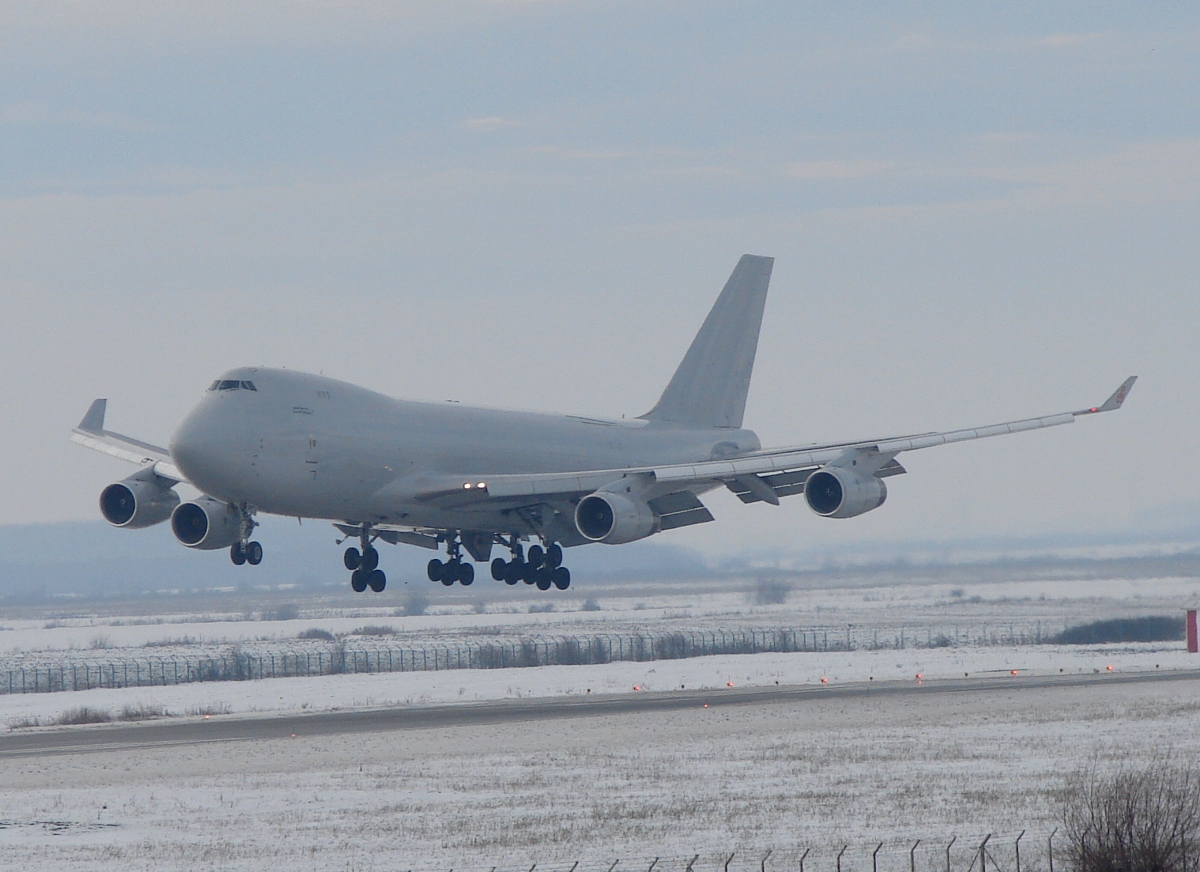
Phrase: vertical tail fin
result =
(709, 389)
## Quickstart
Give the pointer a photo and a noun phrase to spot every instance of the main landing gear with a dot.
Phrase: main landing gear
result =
(453, 568)
(364, 565)
(542, 566)
(244, 551)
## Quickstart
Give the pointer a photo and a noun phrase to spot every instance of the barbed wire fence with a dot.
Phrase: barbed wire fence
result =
(1030, 850)
(48, 672)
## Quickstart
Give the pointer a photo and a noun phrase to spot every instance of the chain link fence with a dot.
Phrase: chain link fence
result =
(83, 670)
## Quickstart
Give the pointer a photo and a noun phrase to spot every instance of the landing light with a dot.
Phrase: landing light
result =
(467, 486)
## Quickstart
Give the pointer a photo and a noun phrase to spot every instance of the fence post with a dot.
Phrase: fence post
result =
(983, 853)
(839, 857)
(1050, 848)
(763, 865)
(802, 856)
(688, 869)
(912, 857)
(874, 856)
(948, 847)
(727, 861)
(1017, 848)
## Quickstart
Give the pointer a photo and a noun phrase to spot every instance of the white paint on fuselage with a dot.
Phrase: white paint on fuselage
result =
(315, 447)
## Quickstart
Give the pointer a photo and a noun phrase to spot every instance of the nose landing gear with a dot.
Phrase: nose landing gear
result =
(244, 551)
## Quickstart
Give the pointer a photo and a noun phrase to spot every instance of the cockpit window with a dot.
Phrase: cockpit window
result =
(228, 384)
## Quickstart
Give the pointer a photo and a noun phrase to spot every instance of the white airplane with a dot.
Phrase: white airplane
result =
(434, 474)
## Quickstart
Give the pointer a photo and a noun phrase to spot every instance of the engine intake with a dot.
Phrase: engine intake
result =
(206, 524)
(834, 492)
(614, 519)
(137, 502)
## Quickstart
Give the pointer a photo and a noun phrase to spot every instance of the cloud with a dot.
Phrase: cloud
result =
(493, 123)
(823, 170)
(41, 115)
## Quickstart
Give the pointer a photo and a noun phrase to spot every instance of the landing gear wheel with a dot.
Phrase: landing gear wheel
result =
(254, 553)
(466, 574)
(542, 578)
(377, 580)
(237, 554)
(370, 559)
(554, 556)
(513, 572)
(352, 559)
(561, 577)
(535, 556)
(499, 568)
(449, 575)
(358, 580)
(435, 569)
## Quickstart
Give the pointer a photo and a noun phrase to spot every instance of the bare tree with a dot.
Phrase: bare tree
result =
(1135, 819)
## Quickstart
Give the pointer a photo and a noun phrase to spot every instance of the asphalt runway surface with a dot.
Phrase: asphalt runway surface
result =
(222, 728)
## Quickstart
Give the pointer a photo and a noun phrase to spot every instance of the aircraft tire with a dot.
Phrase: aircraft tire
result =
(542, 578)
(377, 580)
(370, 559)
(554, 556)
(535, 556)
(561, 576)
(237, 554)
(499, 569)
(352, 559)
(466, 574)
(358, 580)
(513, 572)
(435, 569)
(254, 553)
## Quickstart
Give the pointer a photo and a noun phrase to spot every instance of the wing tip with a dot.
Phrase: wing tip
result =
(1115, 401)
(93, 421)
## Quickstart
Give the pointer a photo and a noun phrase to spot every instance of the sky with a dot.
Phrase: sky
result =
(978, 212)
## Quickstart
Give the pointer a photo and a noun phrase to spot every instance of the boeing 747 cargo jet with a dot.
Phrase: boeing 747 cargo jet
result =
(442, 475)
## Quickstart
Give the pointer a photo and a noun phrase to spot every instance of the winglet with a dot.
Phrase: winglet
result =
(1114, 402)
(93, 421)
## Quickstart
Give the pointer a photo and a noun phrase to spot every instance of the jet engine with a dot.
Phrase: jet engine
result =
(206, 523)
(836, 492)
(138, 502)
(614, 519)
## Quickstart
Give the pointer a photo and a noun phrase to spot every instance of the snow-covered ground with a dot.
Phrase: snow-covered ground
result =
(784, 777)
(422, 688)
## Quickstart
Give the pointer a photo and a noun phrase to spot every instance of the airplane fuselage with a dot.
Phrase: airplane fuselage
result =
(292, 443)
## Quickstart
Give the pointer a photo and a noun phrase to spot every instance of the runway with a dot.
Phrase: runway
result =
(193, 731)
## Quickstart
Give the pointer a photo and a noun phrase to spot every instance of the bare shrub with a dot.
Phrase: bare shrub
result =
(219, 708)
(770, 592)
(140, 711)
(416, 603)
(286, 612)
(374, 630)
(100, 642)
(541, 608)
(1155, 628)
(24, 723)
(83, 714)
(1135, 820)
(590, 605)
(316, 633)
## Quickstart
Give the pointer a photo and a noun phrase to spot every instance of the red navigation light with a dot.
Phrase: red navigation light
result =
(1109, 668)
(1093, 409)
(1014, 672)
(824, 680)
(729, 684)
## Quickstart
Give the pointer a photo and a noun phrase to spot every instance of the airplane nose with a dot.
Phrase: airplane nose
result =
(197, 446)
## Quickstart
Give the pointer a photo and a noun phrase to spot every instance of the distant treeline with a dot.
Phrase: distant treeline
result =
(1156, 628)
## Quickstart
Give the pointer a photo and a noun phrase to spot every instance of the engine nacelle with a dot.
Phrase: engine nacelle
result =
(836, 492)
(137, 502)
(614, 519)
(206, 523)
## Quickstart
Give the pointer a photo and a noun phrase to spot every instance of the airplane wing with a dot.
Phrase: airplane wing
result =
(763, 475)
(91, 434)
